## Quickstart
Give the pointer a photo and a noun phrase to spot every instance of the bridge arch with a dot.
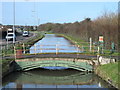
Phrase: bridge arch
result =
(78, 64)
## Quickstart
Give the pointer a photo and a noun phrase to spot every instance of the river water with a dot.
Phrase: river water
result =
(53, 77)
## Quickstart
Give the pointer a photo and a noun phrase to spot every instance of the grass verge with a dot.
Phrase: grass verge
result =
(110, 73)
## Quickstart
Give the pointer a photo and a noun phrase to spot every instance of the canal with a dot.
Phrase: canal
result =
(52, 43)
(53, 77)
(43, 78)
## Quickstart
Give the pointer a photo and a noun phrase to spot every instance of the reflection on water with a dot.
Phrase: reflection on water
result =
(52, 43)
(55, 68)
(43, 78)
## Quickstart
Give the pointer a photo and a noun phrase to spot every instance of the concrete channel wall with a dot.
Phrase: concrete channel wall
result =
(104, 60)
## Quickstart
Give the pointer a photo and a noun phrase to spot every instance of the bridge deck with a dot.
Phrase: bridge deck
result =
(53, 55)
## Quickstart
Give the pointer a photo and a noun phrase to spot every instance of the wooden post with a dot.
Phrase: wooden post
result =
(35, 49)
(98, 55)
(41, 48)
(5, 49)
(93, 49)
(23, 48)
(82, 49)
(56, 49)
(98, 50)
(7, 44)
(90, 44)
(15, 52)
(77, 51)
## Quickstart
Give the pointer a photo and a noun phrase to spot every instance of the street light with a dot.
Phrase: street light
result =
(14, 20)
(38, 23)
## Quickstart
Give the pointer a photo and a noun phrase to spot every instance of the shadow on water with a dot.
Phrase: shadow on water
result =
(44, 78)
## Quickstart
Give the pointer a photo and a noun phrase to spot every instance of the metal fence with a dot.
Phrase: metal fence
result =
(25, 49)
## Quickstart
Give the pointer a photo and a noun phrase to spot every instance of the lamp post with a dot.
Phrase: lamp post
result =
(14, 21)
(38, 23)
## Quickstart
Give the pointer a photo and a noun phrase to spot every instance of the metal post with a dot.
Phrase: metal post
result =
(7, 40)
(90, 44)
(14, 21)
(38, 23)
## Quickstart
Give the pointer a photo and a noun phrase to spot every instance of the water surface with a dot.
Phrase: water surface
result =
(52, 43)
(43, 78)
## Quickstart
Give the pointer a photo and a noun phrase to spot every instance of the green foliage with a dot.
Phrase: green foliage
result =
(105, 25)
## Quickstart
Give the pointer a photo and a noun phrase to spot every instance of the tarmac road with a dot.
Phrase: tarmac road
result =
(18, 38)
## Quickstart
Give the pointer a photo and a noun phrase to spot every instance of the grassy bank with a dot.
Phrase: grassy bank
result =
(109, 72)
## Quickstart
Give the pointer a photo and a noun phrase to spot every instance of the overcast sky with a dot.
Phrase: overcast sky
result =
(34, 13)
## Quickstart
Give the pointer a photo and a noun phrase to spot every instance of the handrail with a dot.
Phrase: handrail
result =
(22, 49)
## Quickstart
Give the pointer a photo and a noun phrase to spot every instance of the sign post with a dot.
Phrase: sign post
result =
(113, 47)
(101, 41)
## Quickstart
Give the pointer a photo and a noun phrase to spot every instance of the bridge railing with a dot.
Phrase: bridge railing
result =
(23, 49)
(57, 49)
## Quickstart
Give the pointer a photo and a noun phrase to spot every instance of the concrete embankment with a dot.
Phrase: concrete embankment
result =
(7, 69)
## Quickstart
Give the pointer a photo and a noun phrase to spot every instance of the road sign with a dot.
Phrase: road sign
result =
(100, 38)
